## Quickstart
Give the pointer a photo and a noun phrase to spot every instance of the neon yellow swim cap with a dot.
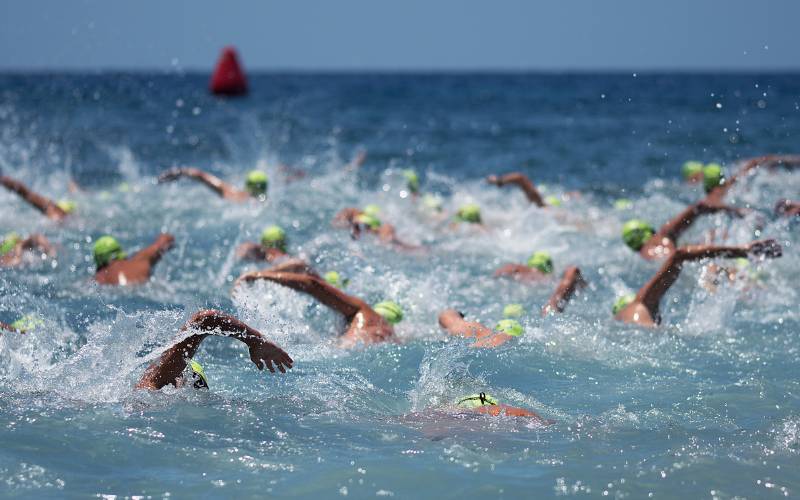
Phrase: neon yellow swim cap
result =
(541, 260)
(471, 212)
(27, 323)
(712, 176)
(691, 169)
(390, 311)
(476, 401)
(623, 204)
(333, 278)
(197, 369)
(68, 206)
(274, 237)
(553, 201)
(106, 249)
(10, 241)
(513, 311)
(372, 210)
(636, 232)
(622, 303)
(509, 327)
(368, 220)
(412, 180)
(256, 183)
(432, 202)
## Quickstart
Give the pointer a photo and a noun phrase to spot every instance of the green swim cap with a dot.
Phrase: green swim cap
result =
(471, 212)
(106, 249)
(27, 323)
(256, 183)
(636, 232)
(368, 220)
(274, 237)
(335, 279)
(197, 369)
(390, 311)
(712, 176)
(124, 187)
(372, 210)
(431, 202)
(412, 180)
(68, 206)
(622, 303)
(623, 204)
(513, 311)
(691, 168)
(476, 401)
(509, 327)
(541, 261)
(553, 201)
(10, 241)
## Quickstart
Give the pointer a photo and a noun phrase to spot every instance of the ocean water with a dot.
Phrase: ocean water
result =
(706, 405)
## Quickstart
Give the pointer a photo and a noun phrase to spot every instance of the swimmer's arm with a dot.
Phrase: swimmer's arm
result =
(35, 241)
(569, 284)
(212, 181)
(44, 205)
(523, 182)
(154, 252)
(357, 161)
(251, 251)
(8, 328)
(680, 223)
(312, 285)
(172, 363)
(453, 323)
(787, 208)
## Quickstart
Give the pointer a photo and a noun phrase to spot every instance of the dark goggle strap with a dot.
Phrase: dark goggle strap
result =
(481, 397)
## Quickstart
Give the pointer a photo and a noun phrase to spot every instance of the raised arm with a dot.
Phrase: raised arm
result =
(154, 252)
(170, 366)
(523, 182)
(219, 186)
(747, 166)
(681, 222)
(44, 205)
(312, 285)
(570, 282)
(35, 241)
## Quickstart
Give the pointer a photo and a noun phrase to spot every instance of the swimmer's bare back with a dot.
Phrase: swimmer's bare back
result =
(348, 218)
(216, 184)
(258, 252)
(169, 368)
(365, 325)
(48, 207)
(644, 310)
(137, 268)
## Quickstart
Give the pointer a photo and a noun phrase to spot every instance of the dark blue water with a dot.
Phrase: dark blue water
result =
(705, 405)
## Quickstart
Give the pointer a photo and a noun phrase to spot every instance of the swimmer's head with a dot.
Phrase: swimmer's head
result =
(691, 169)
(198, 375)
(636, 232)
(553, 201)
(372, 210)
(623, 204)
(541, 261)
(471, 212)
(333, 278)
(390, 311)
(10, 241)
(274, 237)
(432, 202)
(513, 311)
(27, 323)
(67, 206)
(510, 327)
(476, 401)
(256, 183)
(622, 303)
(106, 249)
(368, 220)
(712, 176)
(412, 180)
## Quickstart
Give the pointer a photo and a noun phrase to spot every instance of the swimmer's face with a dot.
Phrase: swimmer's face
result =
(198, 382)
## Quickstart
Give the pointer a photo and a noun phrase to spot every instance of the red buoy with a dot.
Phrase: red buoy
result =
(228, 78)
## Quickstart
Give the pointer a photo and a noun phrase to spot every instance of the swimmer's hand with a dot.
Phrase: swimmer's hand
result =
(770, 249)
(265, 353)
(493, 179)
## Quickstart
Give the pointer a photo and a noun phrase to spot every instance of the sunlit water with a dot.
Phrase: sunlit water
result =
(705, 405)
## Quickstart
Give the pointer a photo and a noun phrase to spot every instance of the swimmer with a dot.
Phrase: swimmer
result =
(642, 238)
(487, 405)
(256, 183)
(115, 268)
(523, 182)
(367, 220)
(787, 208)
(453, 322)
(271, 248)
(538, 268)
(56, 211)
(368, 325)
(13, 248)
(692, 172)
(716, 193)
(571, 282)
(643, 308)
(170, 367)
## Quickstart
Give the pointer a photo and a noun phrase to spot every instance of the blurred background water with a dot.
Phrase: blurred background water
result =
(705, 405)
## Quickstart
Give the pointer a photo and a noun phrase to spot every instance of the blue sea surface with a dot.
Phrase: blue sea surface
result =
(705, 405)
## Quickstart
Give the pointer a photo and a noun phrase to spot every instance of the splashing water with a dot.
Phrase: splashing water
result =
(705, 403)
